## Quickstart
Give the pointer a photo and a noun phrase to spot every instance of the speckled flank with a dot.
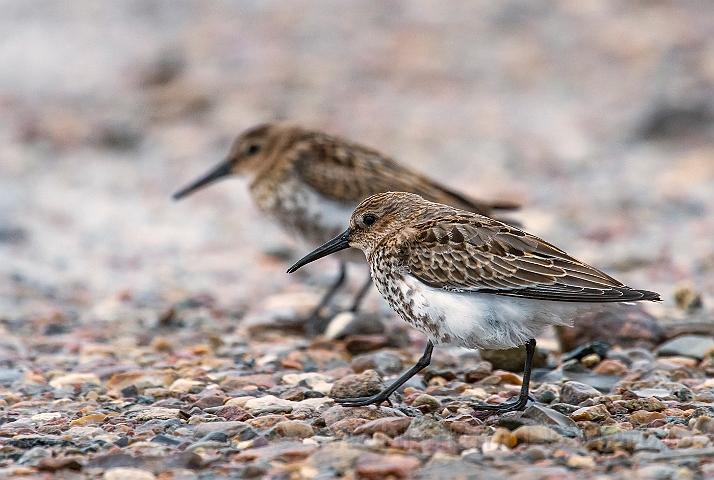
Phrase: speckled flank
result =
(467, 280)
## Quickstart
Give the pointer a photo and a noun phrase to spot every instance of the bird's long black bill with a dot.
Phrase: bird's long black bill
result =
(340, 242)
(221, 170)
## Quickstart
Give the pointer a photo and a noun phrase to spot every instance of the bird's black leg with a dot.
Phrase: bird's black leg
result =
(360, 295)
(384, 394)
(314, 324)
(519, 402)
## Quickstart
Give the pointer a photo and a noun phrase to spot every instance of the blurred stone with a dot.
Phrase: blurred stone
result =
(392, 426)
(62, 381)
(589, 361)
(478, 372)
(59, 463)
(355, 344)
(290, 428)
(513, 359)
(610, 367)
(422, 428)
(695, 346)
(128, 473)
(231, 429)
(547, 416)
(336, 413)
(642, 418)
(384, 363)
(268, 404)
(626, 326)
(574, 393)
(372, 466)
(536, 434)
(596, 413)
(350, 323)
(364, 384)
(688, 299)
(504, 437)
(346, 427)
(428, 401)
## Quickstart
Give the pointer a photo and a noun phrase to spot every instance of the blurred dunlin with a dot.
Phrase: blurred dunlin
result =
(310, 182)
(467, 280)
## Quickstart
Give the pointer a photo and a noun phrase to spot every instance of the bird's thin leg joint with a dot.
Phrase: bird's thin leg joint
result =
(313, 323)
(360, 295)
(518, 403)
(422, 363)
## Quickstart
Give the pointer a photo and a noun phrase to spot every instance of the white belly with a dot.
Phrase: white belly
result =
(476, 320)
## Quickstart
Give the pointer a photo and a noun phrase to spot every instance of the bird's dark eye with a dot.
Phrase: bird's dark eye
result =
(252, 149)
(369, 219)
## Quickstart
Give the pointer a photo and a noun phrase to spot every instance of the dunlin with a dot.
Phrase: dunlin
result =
(468, 280)
(310, 182)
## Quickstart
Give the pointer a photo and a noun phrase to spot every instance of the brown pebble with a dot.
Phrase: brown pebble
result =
(610, 367)
(643, 417)
(589, 361)
(234, 413)
(503, 436)
(347, 426)
(372, 466)
(391, 426)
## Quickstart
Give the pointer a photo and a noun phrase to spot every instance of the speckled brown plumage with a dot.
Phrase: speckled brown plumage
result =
(288, 166)
(468, 280)
(310, 182)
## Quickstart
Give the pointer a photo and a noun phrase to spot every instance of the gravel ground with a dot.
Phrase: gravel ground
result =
(143, 338)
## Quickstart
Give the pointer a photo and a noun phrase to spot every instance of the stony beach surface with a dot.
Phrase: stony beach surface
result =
(142, 338)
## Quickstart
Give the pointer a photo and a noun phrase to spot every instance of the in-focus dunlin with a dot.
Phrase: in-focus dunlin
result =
(468, 280)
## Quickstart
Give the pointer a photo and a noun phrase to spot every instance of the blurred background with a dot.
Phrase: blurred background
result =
(596, 115)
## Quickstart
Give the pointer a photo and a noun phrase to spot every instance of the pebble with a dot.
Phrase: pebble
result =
(337, 413)
(422, 428)
(644, 417)
(596, 413)
(364, 384)
(574, 393)
(425, 400)
(44, 417)
(478, 372)
(268, 404)
(384, 363)
(536, 434)
(504, 437)
(695, 346)
(610, 367)
(156, 413)
(294, 429)
(547, 416)
(372, 466)
(62, 381)
(391, 426)
(128, 473)
(230, 429)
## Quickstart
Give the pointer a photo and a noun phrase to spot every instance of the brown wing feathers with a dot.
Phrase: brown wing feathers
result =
(494, 258)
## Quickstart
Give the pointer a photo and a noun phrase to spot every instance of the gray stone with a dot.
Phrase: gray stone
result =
(575, 393)
(350, 323)
(33, 456)
(426, 427)
(384, 363)
(364, 384)
(547, 416)
(695, 346)
(230, 429)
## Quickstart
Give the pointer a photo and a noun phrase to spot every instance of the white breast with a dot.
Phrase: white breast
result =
(302, 211)
(478, 320)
